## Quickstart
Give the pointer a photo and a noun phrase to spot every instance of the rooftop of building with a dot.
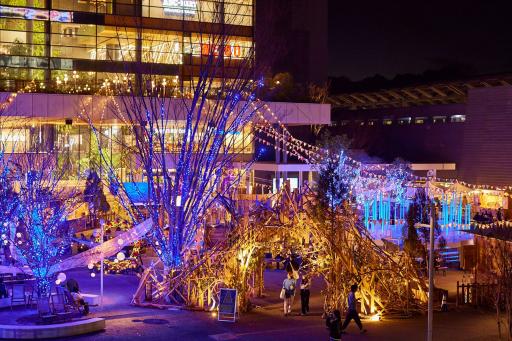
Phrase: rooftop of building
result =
(417, 94)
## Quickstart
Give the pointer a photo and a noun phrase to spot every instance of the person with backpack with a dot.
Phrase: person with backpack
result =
(352, 311)
(333, 323)
(288, 291)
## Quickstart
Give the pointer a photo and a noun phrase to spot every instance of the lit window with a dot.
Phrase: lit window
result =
(439, 119)
(420, 120)
(404, 120)
(387, 121)
(458, 118)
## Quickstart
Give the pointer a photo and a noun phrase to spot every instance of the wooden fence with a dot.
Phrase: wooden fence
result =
(476, 294)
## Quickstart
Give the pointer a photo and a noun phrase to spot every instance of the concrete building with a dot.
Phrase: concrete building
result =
(464, 122)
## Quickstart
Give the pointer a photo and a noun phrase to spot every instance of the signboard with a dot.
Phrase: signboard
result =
(179, 7)
(35, 14)
(227, 305)
(234, 51)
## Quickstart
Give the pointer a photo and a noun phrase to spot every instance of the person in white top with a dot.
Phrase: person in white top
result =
(289, 293)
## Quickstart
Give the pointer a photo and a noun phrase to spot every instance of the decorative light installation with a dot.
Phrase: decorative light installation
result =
(34, 214)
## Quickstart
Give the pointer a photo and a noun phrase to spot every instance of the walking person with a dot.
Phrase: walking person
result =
(304, 295)
(333, 323)
(352, 311)
(289, 284)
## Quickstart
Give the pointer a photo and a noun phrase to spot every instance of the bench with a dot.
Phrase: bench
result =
(91, 299)
(6, 302)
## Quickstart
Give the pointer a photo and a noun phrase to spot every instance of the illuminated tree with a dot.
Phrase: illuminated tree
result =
(416, 244)
(184, 138)
(35, 223)
(494, 266)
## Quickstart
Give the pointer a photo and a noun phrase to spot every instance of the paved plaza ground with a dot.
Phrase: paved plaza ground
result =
(266, 322)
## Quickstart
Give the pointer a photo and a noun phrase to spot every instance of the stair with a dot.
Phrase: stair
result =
(450, 257)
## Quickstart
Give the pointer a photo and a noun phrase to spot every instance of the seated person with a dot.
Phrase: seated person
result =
(72, 286)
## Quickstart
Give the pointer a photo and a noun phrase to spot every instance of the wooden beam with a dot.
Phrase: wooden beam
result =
(437, 91)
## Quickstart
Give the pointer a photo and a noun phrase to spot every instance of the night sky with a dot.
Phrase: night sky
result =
(399, 36)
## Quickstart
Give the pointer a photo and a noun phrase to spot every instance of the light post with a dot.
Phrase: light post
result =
(101, 266)
(164, 84)
(75, 77)
(430, 265)
(431, 276)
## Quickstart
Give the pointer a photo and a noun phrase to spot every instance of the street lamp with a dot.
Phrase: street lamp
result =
(430, 266)
(102, 224)
(430, 276)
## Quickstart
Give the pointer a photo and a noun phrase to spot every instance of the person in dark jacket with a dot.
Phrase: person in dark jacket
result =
(304, 295)
(352, 313)
(333, 323)
(74, 289)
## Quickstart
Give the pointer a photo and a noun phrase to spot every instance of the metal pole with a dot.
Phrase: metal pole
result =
(101, 267)
(431, 271)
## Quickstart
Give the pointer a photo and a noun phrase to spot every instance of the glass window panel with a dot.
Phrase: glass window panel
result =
(100, 6)
(68, 146)
(75, 5)
(236, 47)
(24, 3)
(71, 29)
(7, 74)
(73, 81)
(190, 10)
(238, 12)
(170, 9)
(240, 141)
(15, 140)
(73, 41)
(116, 44)
(458, 118)
(125, 7)
(22, 37)
(21, 25)
(162, 47)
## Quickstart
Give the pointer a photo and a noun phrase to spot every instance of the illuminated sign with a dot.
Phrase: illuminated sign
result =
(61, 16)
(234, 51)
(179, 7)
(35, 14)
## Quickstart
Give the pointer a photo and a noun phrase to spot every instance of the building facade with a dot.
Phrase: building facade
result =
(466, 123)
(77, 45)
(60, 55)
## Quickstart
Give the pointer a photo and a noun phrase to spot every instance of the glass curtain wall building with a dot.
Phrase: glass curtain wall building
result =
(78, 46)
(75, 46)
